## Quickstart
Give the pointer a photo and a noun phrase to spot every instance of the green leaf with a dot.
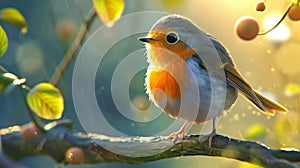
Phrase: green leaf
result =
(46, 101)
(3, 42)
(13, 17)
(109, 10)
(8, 82)
(255, 132)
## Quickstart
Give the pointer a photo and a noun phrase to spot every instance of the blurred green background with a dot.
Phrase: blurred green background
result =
(270, 63)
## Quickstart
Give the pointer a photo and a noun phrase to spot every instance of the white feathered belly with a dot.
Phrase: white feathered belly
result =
(204, 97)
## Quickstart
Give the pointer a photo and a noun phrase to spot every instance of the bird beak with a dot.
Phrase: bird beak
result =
(147, 39)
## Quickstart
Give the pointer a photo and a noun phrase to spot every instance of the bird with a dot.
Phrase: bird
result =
(192, 76)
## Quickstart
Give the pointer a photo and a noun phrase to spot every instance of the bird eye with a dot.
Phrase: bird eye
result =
(172, 38)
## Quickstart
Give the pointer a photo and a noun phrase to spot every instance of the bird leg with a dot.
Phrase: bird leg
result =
(212, 134)
(181, 132)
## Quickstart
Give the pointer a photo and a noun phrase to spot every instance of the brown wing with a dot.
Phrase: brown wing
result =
(236, 80)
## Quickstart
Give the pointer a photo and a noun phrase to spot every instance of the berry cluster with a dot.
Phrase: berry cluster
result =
(247, 28)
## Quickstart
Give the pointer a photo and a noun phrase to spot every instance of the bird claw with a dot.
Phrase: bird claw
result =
(176, 135)
(180, 133)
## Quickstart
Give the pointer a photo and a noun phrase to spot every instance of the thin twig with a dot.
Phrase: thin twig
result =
(74, 47)
(3, 69)
(277, 24)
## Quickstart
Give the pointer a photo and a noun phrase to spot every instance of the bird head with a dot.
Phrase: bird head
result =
(171, 37)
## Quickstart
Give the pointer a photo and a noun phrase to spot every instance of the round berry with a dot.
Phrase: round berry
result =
(29, 131)
(247, 28)
(75, 155)
(294, 13)
(260, 6)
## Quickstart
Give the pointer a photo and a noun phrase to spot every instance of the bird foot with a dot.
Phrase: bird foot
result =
(180, 133)
(176, 135)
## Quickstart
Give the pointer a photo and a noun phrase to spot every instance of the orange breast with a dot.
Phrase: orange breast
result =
(171, 80)
(161, 79)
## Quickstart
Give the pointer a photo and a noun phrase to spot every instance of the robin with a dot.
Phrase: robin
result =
(192, 76)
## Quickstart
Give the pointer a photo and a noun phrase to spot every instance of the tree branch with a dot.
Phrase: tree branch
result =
(59, 137)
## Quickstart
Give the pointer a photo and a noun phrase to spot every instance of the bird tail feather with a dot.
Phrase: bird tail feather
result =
(270, 106)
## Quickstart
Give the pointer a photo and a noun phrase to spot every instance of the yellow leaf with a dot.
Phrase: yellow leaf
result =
(46, 101)
(3, 42)
(13, 17)
(109, 10)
